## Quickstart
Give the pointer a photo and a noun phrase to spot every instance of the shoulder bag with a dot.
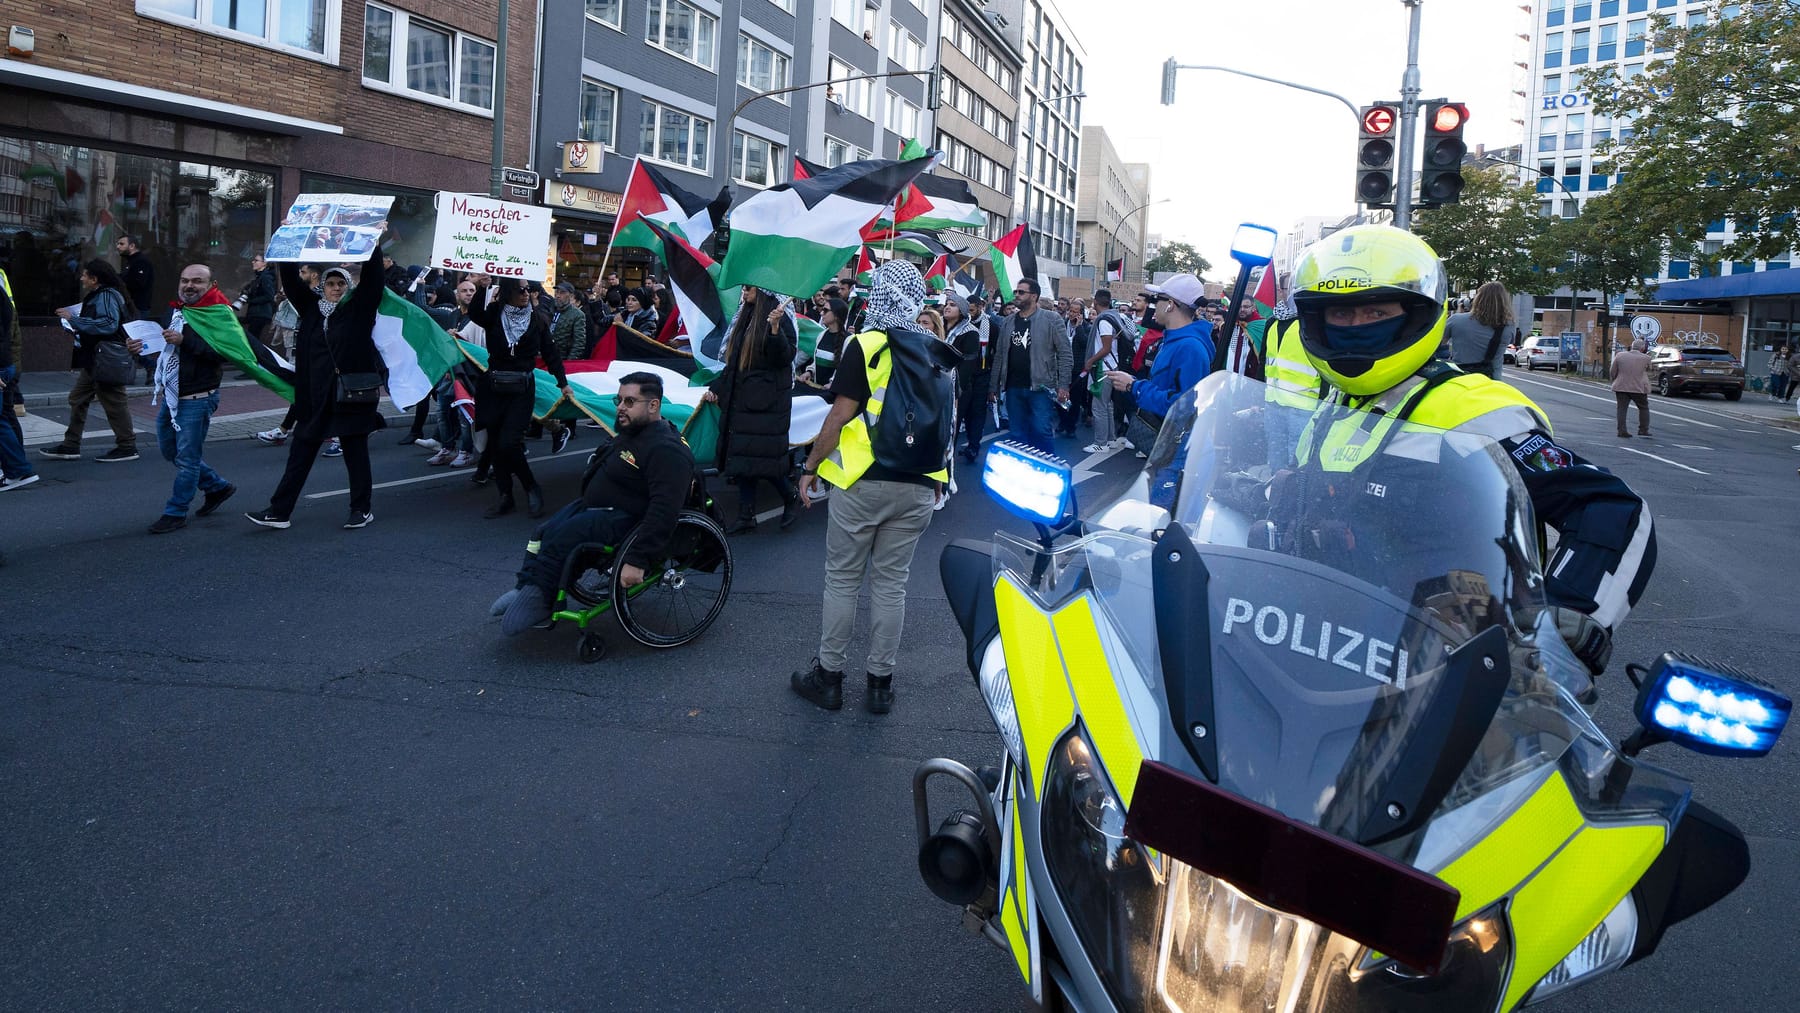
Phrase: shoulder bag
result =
(113, 364)
(509, 381)
(352, 388)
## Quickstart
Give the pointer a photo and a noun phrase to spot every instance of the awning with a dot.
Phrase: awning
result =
(18, 73)
(1731, 286)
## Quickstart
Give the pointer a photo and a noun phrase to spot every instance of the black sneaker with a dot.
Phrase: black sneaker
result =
(117, 455)
(561, 439)
(214, 500)
(823, 687)
(880, 698)
(268, 519)
(358, 519)
(62, 452)
(167, 523)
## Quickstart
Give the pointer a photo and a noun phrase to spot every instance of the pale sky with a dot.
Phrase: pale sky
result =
(1214, 151)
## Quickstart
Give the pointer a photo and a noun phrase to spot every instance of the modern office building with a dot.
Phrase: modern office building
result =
(1049, 149)
(1112, 204)
(1564, 132)
(978, 117)
(664, 79)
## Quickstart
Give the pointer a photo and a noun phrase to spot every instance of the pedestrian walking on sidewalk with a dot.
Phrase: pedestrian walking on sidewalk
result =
(1631, 385)
(185, 395)
(15, 467)
(259, 298)
(1778, 364)
(335, 342)
(1793, 373)
(104, 310)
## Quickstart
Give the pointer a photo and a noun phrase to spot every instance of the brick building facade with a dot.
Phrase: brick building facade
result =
(193, 123)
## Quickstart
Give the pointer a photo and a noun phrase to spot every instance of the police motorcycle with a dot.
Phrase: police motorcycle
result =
(1288, 727)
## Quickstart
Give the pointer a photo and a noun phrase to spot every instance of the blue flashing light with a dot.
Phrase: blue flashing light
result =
(1710, 708)
(1034, 485)
(1254, 245)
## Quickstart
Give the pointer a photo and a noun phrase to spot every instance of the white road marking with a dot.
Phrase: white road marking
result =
(536, 464)
(1664, 460)
(1692, 446)
(1662, 409)
(1087, 467)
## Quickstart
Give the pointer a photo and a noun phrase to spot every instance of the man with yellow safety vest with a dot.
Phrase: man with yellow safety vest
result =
(886, 447)
(1370, 302)
(15, 468)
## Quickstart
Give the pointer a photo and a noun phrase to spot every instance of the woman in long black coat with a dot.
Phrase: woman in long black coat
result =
(756, 399)
(333, 337)
(516, 336)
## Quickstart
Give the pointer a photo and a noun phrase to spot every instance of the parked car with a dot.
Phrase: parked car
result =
(1511, 355)
(1695, 369)
(1540, 352)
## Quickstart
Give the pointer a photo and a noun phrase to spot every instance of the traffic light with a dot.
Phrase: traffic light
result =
(1168, 92)
(1441, 181)
(1375, 154)
(934, 88)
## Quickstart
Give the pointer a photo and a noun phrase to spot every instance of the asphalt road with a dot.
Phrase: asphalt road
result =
(253, 769)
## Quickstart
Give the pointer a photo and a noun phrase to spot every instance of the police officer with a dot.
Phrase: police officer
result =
(1371, 306)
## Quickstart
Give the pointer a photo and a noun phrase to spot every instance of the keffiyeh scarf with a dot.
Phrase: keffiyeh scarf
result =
(515, 321)
(896, 296)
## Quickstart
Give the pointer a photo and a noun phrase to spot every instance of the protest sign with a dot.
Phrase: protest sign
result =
(330, 228)
(492, 237)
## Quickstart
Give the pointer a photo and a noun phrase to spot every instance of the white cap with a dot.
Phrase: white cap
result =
(1183, 288)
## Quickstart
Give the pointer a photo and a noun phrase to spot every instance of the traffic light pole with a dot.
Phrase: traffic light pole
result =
(1171, 66)
(1409, 121)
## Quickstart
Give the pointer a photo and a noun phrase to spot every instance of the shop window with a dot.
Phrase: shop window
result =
(306, 27)
(410, 56)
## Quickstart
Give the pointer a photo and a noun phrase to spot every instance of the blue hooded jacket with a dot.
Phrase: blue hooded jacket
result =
(1183, 358)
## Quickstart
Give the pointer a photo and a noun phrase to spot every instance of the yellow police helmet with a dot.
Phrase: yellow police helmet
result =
(1362, 265)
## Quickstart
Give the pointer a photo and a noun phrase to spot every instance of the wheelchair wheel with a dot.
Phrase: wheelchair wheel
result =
(590, 649)
(684, 592)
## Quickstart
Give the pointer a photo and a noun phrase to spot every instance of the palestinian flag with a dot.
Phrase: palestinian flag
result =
(918, 244)
(218, 326)
(1013, 259)
(865, 268)
(810, 331)
(671, 330)
(795, 237)
(967, 285)
(1264, 299)
(416, 351)
(943, 203)
(694, 282)
(1115, 270)
(653, 196)
(804, 169)
(937, 276)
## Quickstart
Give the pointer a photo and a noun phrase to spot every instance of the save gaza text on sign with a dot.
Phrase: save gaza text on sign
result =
(492, 237)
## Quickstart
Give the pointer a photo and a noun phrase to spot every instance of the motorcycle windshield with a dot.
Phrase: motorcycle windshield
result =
(1347, 559)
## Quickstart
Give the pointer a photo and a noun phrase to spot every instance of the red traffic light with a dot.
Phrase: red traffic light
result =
(1378, 120)
(1448, 119)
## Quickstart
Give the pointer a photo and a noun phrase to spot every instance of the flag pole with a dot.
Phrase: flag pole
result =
(618, 222)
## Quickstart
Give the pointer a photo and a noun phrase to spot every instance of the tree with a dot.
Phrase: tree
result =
(1179, 258)
(1489, 235)
(1711, 133)
(1609, 248)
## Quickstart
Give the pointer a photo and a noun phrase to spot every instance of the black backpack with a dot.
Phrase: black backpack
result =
(918, 415)
(1124, 338)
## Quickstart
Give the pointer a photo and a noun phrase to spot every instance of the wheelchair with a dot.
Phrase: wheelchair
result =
(682, 593)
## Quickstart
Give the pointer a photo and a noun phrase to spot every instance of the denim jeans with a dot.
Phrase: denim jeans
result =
(13, 462)
(183, 448)
(1032, 417)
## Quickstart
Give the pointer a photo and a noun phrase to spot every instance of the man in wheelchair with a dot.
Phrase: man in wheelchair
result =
(641, 480)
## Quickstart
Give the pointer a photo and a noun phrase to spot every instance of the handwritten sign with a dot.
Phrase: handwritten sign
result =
(330, 228)
(493, 237)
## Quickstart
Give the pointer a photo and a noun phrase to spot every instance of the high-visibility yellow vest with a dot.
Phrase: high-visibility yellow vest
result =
(855, 452)
(1465, 402)
(1291, 376)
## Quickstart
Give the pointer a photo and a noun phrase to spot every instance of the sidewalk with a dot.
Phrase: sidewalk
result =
(1754, 407)
(245, 409)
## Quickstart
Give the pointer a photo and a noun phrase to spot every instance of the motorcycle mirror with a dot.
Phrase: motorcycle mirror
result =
(1706, 707)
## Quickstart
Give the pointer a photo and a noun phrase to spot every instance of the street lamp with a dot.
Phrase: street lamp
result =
(1111, 236)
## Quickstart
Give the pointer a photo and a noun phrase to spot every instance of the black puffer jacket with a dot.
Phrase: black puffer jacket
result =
(325, 346)
(755, 406)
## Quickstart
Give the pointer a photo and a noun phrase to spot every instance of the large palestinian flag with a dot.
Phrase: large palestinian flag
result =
(694, 281)
(1264, 299)
(1013, 259)
(655, 197)
(943, 203)
(416, 351)
(795, 237)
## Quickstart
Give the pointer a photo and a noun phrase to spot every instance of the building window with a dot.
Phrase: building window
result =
(786, 5)
(838, 152)
(1552, 84)
(607, 12)
(855, 15)
(1553, 45)
(1635, 30)
(904, 48)
(687, 32)
(670, 135)
(1553, 13)
(1609, 8)
(754, 160)
(853, 95)
(1578, 46)
(902, 116)
(1609, 39)
(1582, 11)
(411, 56)
(307, 27)
(1575, 131)
(599, 114)
(761, 68)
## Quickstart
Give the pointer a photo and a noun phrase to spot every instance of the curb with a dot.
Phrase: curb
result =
(52, 399)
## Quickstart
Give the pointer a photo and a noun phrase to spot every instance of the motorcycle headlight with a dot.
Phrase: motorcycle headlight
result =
(996, 690)
(1110, 886)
